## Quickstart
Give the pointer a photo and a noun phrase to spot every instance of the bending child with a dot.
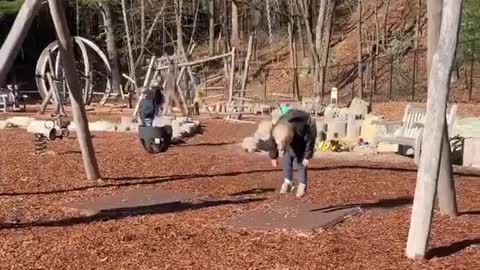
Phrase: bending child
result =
(300, 149)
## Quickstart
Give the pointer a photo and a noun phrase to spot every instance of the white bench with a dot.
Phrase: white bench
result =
(11, 98)
(409, 131)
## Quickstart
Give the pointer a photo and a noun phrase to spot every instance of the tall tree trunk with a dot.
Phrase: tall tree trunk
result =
(326, 42)
(320, 24)
(303, 10)
(446, 187)
(235, 31)
(385, 26)
(430, 160)
(65, 46)
(112, 49)
(19, 30)
(129, 41)
(211, 27)
(359, 49)
(181, 53)
(434, 13)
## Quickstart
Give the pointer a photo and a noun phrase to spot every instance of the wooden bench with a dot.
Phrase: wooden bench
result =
(409, 131)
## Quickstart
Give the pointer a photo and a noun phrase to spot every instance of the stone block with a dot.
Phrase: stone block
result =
(3, 124)
(336, 129)
(20, 121)
(353, 128)
(368, 130)
(387, 148)
(358, 108)
(471, 152)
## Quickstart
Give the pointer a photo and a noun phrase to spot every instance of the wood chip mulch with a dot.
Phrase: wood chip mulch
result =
(36, 232)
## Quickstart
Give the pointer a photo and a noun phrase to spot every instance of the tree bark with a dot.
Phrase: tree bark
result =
(112, 49)
(13, 43)
(446, 187)
(320, 24)
(385, 26)
(326, 43)
(428, 172)
(211, 27)
(65, 47)
(359, 49)
(235, 32)
(129, 42)
(434, 13)
(303, 9)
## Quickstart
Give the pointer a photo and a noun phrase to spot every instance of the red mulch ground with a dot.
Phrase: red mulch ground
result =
(37, 233)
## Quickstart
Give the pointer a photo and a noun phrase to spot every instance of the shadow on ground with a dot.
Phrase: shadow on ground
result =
(446, 251)
(380, 205)
(121, 213)
(151, 180)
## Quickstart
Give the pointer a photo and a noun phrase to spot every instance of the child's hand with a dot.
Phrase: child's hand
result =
(305, 163)
(274, 163)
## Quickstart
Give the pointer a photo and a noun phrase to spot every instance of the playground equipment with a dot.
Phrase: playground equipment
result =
(49, 64)
(49, 130)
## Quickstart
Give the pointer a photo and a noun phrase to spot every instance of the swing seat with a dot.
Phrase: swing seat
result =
(155, 139)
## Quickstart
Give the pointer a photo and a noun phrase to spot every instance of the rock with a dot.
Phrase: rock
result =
(387, 148)
(3, 124)
(343, 113)
(39, 126)
(162, 121)
(358, 108)
(99, 126)
(337, 129)
(471, 150)
(353, 128)
(368, 130)
(331, 111)
(249, 144)
(20, 121)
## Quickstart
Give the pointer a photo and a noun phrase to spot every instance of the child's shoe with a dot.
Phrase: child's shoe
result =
(286, 187)
(301, 190)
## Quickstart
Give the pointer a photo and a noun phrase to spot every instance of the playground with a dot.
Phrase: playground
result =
(147, 135)
(214, 182)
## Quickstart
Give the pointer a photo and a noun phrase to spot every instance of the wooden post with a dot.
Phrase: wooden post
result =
(470, 87)
(247, 65)
(428, 172)
(390, 81)
(232, 77)
(13, 43)
(265, 80)
(65, 47)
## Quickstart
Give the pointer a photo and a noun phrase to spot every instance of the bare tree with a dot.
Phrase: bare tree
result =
(327, 34)
(112, 50)
(235, 31)
(359, 49)
(303, 8)
(211, 27)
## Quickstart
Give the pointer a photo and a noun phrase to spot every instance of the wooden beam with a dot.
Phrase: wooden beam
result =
(19, 30)
(65, 47)
(232, 76)
(200, 61)
(428, 172)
